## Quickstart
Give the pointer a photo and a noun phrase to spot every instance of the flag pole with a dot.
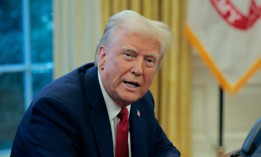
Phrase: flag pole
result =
(220, 150)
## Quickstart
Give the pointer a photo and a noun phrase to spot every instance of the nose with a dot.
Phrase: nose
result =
(137, 67)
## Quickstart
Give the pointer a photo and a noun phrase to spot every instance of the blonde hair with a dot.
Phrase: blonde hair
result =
(133, 22)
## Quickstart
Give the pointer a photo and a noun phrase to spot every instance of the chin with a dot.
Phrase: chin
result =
(130, 100)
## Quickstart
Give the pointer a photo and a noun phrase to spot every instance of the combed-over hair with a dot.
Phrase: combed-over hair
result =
(133, 22)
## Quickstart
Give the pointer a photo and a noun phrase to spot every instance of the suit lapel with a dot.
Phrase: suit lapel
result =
(100, 120)
(102, 129)
(98, 115)
(138, 136)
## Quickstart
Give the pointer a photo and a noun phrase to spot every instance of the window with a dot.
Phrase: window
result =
(26, 62)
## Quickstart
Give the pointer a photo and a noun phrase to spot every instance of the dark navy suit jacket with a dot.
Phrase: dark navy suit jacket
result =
(69, 118)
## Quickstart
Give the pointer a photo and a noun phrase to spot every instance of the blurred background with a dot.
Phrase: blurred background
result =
(26, 59)
(41, 40)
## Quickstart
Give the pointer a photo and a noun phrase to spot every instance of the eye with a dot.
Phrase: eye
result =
(150, 62)
(128, 55)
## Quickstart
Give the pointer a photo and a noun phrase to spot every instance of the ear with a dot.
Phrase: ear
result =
(101, 57)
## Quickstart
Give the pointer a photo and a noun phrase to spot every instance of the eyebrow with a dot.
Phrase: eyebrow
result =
(154, 54)
(131, 48)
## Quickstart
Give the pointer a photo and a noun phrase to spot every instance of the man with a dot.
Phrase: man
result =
(76, 115)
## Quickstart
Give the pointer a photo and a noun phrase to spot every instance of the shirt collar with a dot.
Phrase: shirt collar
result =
(111, 106)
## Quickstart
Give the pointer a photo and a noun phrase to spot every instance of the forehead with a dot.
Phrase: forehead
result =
(136, 40)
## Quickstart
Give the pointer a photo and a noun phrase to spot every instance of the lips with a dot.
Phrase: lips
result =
(131, 84)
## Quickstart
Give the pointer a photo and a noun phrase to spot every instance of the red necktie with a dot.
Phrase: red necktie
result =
(121, 149)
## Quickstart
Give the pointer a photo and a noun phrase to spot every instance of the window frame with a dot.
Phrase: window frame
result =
(27, 67)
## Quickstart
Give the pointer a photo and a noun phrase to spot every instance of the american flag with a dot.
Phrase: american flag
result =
(138, 113)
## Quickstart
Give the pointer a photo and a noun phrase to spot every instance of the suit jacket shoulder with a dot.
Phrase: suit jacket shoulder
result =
(61, 120)
(68, 118)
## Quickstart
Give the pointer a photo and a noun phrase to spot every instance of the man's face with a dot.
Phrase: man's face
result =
(127, 66)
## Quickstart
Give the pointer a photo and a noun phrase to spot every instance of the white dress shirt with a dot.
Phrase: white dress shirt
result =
(113, 111)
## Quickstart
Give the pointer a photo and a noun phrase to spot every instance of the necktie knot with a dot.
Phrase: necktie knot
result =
(123, 115)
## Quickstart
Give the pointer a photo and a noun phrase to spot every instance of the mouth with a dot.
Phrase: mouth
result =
(131, 84)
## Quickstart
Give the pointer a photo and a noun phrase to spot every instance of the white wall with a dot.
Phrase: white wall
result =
(240, 111)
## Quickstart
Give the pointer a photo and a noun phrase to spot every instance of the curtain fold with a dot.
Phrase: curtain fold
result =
(171, 87)
(77, 32)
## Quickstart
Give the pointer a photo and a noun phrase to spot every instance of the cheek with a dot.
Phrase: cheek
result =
(113, 61)
(149, 78)
(119, 67)
(113, 71)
